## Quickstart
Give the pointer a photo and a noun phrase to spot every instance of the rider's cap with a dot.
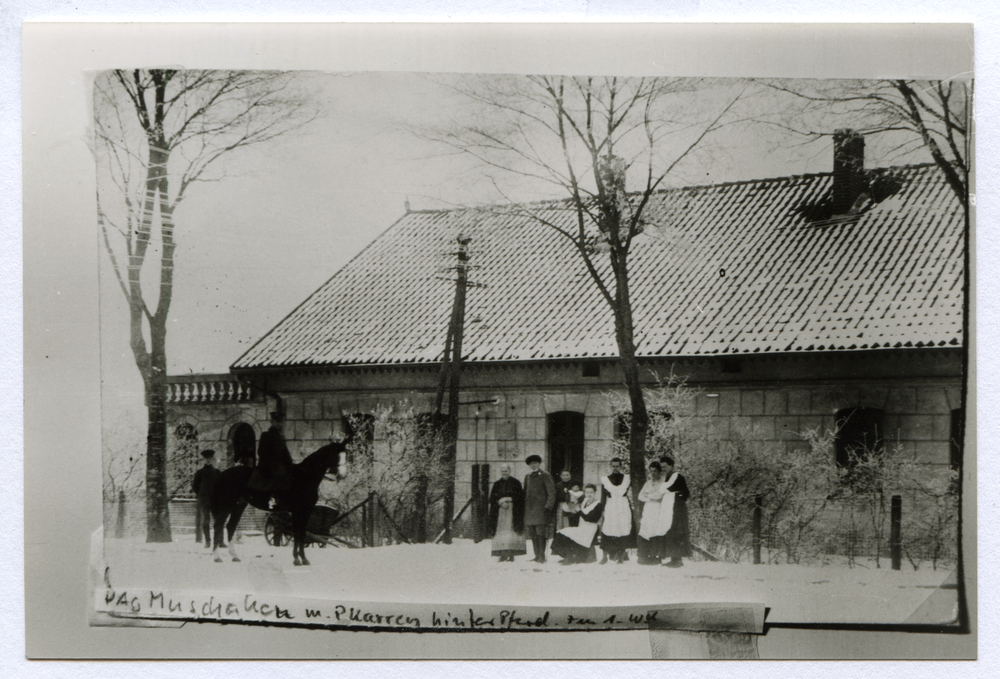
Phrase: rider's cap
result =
(207, 454)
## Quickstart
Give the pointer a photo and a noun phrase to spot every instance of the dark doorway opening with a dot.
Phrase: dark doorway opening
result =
(566, 443)
(244, 444)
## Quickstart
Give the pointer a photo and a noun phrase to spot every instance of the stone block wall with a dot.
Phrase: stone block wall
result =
(214, 423)
(213, 405)
(504, 413)
(917, 417)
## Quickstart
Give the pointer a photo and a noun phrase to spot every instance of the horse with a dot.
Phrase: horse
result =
(230, 498)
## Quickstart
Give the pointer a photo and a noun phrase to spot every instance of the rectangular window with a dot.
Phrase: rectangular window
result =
(360, 430)
(731, 366)
(859, 434)
(859, 437)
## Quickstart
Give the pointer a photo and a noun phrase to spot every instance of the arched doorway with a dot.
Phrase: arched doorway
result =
(244, 442)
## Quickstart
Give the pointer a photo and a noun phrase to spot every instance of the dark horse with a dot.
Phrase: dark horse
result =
(229, 498)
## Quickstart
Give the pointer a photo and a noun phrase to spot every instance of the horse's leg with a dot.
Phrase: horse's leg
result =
(219, 518)
(300, 522)
(234, 519)
(297, 547)
(302, 547)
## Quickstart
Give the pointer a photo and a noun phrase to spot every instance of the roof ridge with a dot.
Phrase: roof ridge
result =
(691, 187)
(807, 175)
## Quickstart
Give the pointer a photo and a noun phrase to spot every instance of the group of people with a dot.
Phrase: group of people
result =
(578, 519)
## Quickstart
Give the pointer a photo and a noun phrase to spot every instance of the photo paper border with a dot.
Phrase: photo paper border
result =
(66, 374)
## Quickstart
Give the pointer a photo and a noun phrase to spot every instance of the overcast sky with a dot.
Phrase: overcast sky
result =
(291, 212)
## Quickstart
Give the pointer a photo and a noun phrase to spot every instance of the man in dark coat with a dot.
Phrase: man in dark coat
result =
(273, 472)
(202, 485)
(539, 502)
(677, 541)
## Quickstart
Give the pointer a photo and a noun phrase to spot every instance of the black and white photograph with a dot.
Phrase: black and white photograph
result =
(520, 352)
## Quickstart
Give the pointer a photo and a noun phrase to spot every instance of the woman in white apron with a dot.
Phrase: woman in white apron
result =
(617, 533)
(652, 528)
(507, 516)
(576, 544)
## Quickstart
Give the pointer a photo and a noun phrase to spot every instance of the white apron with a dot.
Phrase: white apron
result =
(617, 513)
(652, 497)
(584, 533)
(666, 518)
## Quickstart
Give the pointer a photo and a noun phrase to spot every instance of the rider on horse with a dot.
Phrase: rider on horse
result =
(274, 464)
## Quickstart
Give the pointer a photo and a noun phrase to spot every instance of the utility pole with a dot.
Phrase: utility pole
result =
(450, 372)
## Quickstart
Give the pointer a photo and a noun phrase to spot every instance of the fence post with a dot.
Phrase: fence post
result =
(120, 524)
(477, 533)
(758, 510)
(484, 500)
(371, 518)
(895, 535)
(364, 523)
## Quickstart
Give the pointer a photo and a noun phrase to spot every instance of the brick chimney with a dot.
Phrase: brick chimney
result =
(848, 170)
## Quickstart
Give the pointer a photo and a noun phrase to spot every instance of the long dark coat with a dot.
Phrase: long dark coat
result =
(203, 483)
(677, 541)
(539, 498)
(509, 487)
(274, 463)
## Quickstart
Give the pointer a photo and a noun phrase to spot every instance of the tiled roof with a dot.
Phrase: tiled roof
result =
(735, 268)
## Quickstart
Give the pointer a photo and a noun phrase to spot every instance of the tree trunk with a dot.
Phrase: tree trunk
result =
(157, 498)
(624, 334)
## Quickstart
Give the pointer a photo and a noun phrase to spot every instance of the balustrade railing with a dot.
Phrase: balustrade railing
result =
(181, 391)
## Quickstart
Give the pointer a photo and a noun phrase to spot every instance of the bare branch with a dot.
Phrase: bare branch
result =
(151, 126)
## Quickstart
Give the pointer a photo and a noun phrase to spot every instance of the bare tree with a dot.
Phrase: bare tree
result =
(581, 136)
(933, 115)
(158, 132)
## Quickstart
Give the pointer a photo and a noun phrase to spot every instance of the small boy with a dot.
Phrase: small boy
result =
(204, 482)
(575, 494)
(566, 511)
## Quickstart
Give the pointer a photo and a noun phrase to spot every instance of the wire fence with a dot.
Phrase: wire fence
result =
(367, 524)
(821, 532)
(825, 532)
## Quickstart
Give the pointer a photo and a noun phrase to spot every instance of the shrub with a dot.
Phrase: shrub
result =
(811, 508)
(402, 462)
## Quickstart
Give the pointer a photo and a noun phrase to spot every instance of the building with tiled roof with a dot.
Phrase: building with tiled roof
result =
(785, 302)
(737, 268)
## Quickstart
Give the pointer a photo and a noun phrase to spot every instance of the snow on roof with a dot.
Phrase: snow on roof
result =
(730, 268)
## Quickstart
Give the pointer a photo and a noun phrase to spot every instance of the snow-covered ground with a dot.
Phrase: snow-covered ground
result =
(465, 573)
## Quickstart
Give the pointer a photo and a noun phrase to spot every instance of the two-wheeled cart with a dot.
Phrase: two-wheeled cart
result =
(319, 530)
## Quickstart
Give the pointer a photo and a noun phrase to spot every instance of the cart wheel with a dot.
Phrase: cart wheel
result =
(275, 529)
